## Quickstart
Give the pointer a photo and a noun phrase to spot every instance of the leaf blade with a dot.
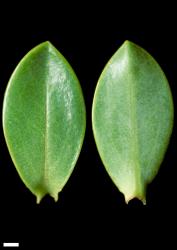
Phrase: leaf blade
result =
(44, 93)
(125, 113)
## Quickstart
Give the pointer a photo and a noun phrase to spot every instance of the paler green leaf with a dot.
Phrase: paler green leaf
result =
(44, 120)
(132, 117)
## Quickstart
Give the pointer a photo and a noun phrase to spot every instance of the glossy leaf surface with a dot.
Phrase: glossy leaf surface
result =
(44, 120)
(132, 118)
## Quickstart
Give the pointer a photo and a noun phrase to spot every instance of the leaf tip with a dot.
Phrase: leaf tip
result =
(47, 44)
(39, 195)
(39, 198)
(141, 198)
(144, 201)
(128, 44)
(55, 196)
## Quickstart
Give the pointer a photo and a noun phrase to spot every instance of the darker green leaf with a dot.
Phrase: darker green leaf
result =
(44, 120)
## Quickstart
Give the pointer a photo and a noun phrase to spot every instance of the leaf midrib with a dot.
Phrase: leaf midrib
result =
(134, 126)
(45, 174)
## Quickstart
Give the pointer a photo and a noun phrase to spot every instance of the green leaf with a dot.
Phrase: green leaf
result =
(44, 120)
(132, 117)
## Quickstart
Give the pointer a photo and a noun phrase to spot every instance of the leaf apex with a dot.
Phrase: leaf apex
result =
(55, 196)
(141, 198)
(129, 44)
(39, 198)
(47, 44)
(40, 193)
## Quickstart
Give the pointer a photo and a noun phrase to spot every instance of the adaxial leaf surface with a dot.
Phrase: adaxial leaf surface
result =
(44, 120)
